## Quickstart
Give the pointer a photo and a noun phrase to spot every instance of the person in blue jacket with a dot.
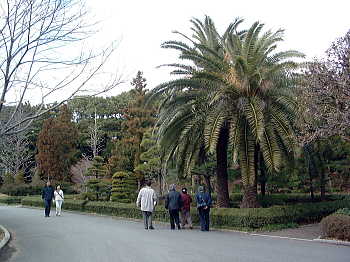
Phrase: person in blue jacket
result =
(203, 206)
(47, 196)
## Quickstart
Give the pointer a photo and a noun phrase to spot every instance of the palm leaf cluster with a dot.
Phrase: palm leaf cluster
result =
(235, 87)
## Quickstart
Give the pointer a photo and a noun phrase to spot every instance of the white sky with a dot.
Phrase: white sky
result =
(142, 25)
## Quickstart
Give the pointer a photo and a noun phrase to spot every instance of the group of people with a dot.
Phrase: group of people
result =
(49, 195)
(178, 204)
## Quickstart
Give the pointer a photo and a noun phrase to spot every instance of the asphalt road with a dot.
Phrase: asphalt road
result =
(76, 237)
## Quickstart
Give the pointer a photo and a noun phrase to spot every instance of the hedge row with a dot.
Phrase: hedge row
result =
(253, 218)
(11, 200)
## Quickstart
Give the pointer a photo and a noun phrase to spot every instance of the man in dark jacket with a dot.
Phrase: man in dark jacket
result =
(203, 205)
(186, 208)
(173, 203)
(47, 196)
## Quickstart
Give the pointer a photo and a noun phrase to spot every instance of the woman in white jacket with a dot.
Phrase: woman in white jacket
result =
(59, 197)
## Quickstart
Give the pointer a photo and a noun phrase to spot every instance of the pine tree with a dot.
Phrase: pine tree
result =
(138, 118)
(57, 146)
(98, 168)
(124, 186)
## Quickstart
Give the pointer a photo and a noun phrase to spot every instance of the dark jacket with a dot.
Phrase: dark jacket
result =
(173, 201)
(203, 199)
(186, 200)
(48, 193)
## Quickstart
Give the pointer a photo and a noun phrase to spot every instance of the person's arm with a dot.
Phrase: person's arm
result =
(62, 195)
(167, 201)
(209, 200)
(138, 201)
(181, 202)
(43, 193)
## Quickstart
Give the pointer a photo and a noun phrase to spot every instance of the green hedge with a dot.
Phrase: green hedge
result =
(252, 218)
(11, 200)
(69, 204)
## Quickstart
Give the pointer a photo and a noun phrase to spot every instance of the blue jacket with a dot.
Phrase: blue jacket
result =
(203, 200)
(48, 193)
(173, 201)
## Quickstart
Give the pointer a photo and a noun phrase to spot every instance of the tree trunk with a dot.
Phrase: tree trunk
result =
(207, 182)
(223, 199)
(323, 185)
(311, 186)
(249, 197)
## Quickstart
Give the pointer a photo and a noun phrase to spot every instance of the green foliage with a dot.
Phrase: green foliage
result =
(247, 218)
(124, 186)
(8, 179)
(98, 168)
(336, 226)
(150, 159)
(99, 188)
(239, 92)
(10, 200)
(343, 211)
(19, 178)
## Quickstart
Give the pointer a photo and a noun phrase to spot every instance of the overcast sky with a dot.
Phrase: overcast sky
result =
(141, 26)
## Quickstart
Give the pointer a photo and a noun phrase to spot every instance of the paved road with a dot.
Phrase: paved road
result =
(77, 237)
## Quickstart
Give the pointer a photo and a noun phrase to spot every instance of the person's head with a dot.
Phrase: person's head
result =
(48, 183)
(58, 188)
(184, 190)
(148, 183)
(172, 187)
(201, 189)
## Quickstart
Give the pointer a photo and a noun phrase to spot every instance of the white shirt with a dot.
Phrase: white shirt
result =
(147, 198)
(59, 195)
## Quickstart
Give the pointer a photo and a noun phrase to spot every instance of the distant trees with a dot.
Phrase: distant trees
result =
(57, 146)
(41, 55)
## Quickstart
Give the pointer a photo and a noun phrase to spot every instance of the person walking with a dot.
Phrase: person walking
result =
(203, 205)
(173, 203)
(147, 200)
(47, 196)
(59, 197)
(186, 208)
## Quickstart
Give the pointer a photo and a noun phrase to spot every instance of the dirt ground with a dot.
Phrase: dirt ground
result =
(311, 231)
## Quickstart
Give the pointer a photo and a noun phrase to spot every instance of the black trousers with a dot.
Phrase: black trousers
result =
(174, 218)
(47, 204)
(204, 218)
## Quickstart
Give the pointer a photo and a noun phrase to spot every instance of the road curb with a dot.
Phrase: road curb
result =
(334, 242)
(6, 238)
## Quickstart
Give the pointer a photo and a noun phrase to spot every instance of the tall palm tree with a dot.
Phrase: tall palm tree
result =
(244, 88)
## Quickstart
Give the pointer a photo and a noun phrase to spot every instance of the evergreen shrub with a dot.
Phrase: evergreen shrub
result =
(124, 186)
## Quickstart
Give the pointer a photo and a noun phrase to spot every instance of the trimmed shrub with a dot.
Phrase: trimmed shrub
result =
(68, 204)
(124, 186)
(98, 189)
(336, 226)
(343, 211)
(21, 190)
(10, 200)
(253, 218)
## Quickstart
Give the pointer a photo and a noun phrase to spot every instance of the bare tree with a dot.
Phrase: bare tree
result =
(79, 171)
(14, 153)
(95, 136)
(43, 55)
(325, 95)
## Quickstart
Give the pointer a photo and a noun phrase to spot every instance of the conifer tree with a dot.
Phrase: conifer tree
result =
(124, 186)
(57, 146)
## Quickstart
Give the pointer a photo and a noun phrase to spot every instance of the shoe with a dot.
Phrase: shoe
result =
(146, 228)
(151, 227)
(178, 228)
(191, 227)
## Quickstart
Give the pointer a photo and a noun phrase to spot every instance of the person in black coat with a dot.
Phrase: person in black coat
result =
(203, 205)
(173, 202)
(47, 196)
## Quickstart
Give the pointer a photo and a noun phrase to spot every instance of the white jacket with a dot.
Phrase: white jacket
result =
(147, 198)
(59, 195)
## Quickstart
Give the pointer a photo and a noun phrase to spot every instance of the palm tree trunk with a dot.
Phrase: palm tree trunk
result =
(250, 190)
(223, 199)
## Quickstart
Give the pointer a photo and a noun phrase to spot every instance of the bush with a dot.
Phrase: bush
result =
(10, 200)
(21, 190)
(336, 226)
(343, 211)
(67, 204)
(124, 186)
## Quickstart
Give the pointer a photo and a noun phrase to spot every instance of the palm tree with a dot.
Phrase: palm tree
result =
(244, 88)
